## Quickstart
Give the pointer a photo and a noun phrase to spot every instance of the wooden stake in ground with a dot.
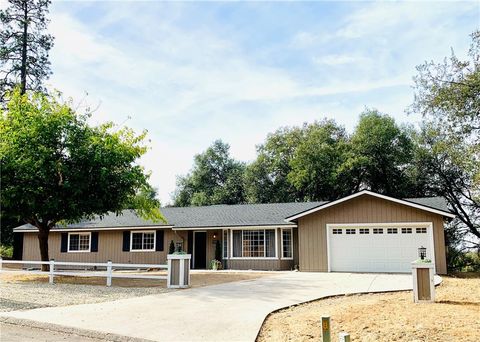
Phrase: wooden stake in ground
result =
(326, 329)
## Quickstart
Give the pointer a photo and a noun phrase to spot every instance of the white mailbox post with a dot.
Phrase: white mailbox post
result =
(178, 271)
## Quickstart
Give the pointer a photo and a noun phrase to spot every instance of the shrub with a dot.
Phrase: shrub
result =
(6, 251)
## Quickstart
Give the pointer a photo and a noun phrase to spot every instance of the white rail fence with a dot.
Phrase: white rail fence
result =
(108, 273)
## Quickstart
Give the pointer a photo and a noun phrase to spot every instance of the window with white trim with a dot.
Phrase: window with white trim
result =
(254, 243)
(79, 242)
(143, 241)
(287, 243)
(392, 231)
(225, 244)
(350, 231)
(364, 231)
(406, 230)
(421, 230)
(377, 230)
(337, 231)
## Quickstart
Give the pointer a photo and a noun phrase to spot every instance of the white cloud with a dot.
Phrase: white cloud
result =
(189, 86)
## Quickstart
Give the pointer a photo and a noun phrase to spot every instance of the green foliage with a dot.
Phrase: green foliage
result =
(171, 247)
(55, 167)
(447, 95)
(6, 251)
(218, 250)
(380, 155)
(316, 164)
(216, 178)
(24, 46)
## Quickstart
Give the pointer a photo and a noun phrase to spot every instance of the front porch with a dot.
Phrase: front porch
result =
(243, 248)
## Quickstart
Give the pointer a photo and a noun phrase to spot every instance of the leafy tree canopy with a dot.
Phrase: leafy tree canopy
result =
(316, 164)
(216, 178)
(267, 177)
(380, 153)
(447, 94)
(57, 168)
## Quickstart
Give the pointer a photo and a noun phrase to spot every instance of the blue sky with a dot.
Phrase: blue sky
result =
(193, 72)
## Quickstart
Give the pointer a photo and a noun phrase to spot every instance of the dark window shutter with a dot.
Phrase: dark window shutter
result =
(126, 241)
(94, 242)
(64, 245)
(159, 241)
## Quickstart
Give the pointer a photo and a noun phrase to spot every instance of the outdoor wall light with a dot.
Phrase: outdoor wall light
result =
(214, 236)
(422, 252)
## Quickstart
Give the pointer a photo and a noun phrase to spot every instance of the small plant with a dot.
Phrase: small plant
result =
(6, 251)
(215, 265)
(171, 248)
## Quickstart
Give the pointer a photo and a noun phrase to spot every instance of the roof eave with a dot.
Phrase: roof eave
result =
(292, 218)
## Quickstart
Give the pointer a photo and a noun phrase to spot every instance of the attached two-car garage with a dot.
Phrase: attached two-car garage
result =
(369, 232)
(376, 248)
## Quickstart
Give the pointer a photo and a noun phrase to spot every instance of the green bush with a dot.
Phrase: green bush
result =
(459, 261)
(6, 251)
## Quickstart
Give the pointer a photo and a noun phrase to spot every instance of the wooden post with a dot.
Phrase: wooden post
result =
(51, 271)
(109, 273)
(326, 329)
(344, 337)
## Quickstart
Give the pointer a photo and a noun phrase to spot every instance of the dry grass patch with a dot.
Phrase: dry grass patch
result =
(385, 317)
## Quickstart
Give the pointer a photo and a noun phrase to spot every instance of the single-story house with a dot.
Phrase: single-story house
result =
(363, 232)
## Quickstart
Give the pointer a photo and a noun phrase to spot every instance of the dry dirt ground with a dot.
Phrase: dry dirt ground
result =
(385, 317)
(28, 291)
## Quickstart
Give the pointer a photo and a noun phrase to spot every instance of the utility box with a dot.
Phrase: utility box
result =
(178, 271)
(423, 282)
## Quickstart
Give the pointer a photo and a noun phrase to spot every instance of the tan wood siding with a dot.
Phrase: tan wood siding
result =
(109, 248)
(363, 209)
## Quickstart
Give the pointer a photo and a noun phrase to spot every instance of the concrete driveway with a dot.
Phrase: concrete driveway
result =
(225, 312)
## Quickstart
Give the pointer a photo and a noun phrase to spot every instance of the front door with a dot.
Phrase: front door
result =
(200, 250)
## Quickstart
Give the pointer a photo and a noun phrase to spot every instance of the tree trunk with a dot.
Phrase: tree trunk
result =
(43, 233)
(23, 71)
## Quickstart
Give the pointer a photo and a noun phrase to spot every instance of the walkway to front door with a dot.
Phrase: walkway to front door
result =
(199, 250)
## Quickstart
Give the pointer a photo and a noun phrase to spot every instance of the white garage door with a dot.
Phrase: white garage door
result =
(376, 248)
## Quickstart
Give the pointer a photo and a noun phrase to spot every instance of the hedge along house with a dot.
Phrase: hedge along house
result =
(363, 232)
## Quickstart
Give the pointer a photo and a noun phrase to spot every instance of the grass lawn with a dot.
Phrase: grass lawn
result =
(386, 317)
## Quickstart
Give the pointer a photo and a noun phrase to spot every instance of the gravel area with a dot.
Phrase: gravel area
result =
(20, 291)
(24, 295)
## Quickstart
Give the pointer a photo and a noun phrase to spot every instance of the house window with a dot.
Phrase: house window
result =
(254, 243)
(406, 230)
(337, 231)
(421, 230)
(287, 247)
(143, 241)
(364, 231)
(225, 244)
(377, 230)
(350, 231)
(392, 231)
(79, 242)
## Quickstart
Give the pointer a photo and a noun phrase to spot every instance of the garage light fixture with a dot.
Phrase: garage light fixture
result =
(422, 252)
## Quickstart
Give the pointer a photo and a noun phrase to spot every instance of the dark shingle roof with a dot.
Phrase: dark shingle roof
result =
(221, 215)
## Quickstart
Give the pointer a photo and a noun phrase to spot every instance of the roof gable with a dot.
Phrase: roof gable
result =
(419, 203)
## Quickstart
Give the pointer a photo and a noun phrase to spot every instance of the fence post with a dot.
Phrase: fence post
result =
(109, 273)
(344, 337)
(326, 329)
(1, 263)
(51, 271)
